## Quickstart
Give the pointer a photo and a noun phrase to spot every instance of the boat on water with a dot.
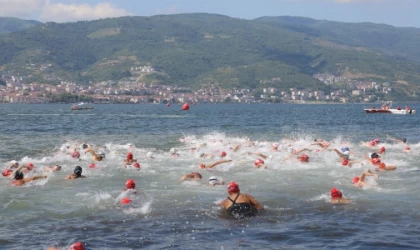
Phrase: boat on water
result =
(81, 106)
(386, 108)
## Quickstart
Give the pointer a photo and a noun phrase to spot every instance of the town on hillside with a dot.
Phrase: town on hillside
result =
(20, 89)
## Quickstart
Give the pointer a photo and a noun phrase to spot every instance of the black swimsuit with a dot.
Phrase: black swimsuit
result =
(240, 210)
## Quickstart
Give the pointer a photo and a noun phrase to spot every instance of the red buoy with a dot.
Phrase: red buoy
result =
(185, 106)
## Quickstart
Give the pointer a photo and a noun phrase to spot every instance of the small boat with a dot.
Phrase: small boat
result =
(81, 106)
(386, 109)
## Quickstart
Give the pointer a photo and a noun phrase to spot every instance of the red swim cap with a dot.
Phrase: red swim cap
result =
(233, 187)
(75, 154)
(30, 165)
(407, 148)
(304, 158)
(382, 149)
(129, 156)
(335, 193)
(6, 172)
(377, 141)
(356, 180)
(130, 184)
(257, 162)
(382, 165)
(202, 166)
(92, 165)
(77, 246)
(125, 201)
(223, 154)
(376, 161)
(136, 165)
(345, 162)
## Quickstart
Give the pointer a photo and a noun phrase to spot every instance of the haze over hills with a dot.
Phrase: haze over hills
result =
(11, 24)
(196, 49)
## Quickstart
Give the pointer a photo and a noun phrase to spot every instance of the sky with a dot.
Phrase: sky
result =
(400, 13)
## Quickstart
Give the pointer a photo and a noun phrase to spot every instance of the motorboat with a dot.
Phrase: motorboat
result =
(386, 108)
(81, 106)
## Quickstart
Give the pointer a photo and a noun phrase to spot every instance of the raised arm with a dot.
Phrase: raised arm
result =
(217, 163)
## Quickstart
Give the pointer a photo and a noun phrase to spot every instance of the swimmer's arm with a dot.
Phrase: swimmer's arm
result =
(301, 150)
(34, 178)
(217, 163)
(222, 203)
(12, 175)
(255, 202)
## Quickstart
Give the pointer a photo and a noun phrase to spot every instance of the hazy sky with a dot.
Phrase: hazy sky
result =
(402, 13)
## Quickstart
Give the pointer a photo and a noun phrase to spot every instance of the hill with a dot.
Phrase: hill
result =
(11, 24)
(202, 49)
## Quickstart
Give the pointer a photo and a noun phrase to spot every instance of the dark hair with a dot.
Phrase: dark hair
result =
(374, 155)
(404, 140)
(18, 175)
(78, 170)
(84, 145)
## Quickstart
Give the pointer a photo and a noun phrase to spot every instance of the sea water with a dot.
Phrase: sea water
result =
(169, 214)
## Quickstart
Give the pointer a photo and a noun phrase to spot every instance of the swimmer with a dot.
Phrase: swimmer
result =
(194, 176)
(344, 154)
(223, 154)
(130, 185)
(13, 164)
(239, 205)
(360, 181)
(295, 152)
(129, 159)
(173, 153)
(275, 147)
(52, 169)
(20, 180)
(206, 156)
(202, 166)
(74, 246)
(75, 154)
(149, 155)
(29, 167)
(11, 173)
(304, 158)
(381, 166)
(381, 150)
(258, 154)
(407, 149)
(136, 165)
(396, 140)
(259, 163)
(349, 163)
(214, 181)
(77, 173)
(337, 197)
(95, 157)
(371, 143)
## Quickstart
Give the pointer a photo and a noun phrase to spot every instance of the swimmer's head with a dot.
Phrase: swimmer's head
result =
(14, 163)
(125, 201)
(18, 175)
(374, 155)
(29, 166)
(57, 168)
(196, 175)
(214, 181)
(130, 184)
(376, 161)
(84, 146)
(407, 148)
(233, 187)
(404, 140)
(304, 158)
(382, 165)
(101, 154)
(202, 155)
(77, 246)
(223, 154)
(275, 145)
(382, 149)
(129, 156)
(355, 180)
(290, 150)
(376, 141)
(92, 165)
(136, 165)
(344, 149)
(7, 172)
(202, 166)
(258, 162)
(78, 171)
(345, 162)
(149, 155)
(172, 151)
(75, 154)
(336, 194)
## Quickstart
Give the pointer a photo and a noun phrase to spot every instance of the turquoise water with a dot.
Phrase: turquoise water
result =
(169, 214)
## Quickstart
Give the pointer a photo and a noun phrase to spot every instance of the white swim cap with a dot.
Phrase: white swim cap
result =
(149, 155)
(346, 153)
(290, 149)
(172, 151)
(14, 163)
(214, 181)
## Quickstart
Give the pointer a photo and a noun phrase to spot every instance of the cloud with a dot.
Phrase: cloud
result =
(48, 10)
(169, 10)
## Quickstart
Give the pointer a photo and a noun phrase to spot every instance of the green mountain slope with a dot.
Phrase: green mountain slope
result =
(11, 24)
(196, 49)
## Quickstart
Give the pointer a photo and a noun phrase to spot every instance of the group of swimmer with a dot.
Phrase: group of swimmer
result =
(237, 205)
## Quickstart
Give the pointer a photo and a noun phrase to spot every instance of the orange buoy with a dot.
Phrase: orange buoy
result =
(185, 106)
